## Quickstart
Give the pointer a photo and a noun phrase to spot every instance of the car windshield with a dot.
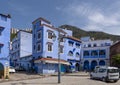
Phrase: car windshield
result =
(113, 70)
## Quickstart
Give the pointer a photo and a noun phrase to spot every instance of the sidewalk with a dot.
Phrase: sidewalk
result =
(73, 74)
(24, 76)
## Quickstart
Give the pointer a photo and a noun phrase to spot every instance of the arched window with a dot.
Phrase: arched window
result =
(70, 43)
(70, 53)
(86, 53)
(89, 45)
(94, 45)
(77, 54)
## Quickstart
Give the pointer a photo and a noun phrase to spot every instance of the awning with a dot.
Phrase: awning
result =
(51, 60)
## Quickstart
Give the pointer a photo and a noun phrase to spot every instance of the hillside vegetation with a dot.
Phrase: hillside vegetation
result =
(78, 33)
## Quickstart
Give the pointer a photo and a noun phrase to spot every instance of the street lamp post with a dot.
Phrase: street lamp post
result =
(59, 64)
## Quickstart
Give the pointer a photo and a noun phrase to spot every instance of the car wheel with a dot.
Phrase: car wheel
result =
(115, 80)
(103, 79)
(91, 77)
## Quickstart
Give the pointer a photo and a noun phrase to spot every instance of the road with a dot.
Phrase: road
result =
(65, 80)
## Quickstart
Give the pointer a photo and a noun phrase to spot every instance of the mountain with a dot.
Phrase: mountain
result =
(78, 33)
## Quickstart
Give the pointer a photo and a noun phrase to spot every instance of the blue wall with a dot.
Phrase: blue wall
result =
(5, 39)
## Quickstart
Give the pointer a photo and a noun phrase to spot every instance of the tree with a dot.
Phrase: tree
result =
(116, 60)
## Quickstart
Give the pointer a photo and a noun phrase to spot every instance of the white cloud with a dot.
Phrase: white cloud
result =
(94, 17)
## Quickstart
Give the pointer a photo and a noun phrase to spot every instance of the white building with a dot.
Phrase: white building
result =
(21, 47)
(94, 52)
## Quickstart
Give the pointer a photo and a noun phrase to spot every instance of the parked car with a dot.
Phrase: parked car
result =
(12, 69)
(19, 68)
(105, 73)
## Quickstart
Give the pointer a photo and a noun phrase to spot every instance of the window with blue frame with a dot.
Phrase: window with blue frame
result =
(107, 44)
(50, 35)
(89, 45)
(94, 45)
(70, 53)
(70, 43)
(86, 53)
(49, 47)
(94, 53)
(102, 52)
(1, 29)
(38, 47)
(1, 45)
(39, 35)
(0, 49)
(77, 45)
(77, 54)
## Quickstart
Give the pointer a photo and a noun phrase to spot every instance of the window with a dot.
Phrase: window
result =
(0, 32)
(70, 53)
(61, 40)
(49, 47)
(89, 45)
(102, 52)
(61, 49)
(94, 45)
(107, 44)
(34, 35)
(39, 35)
(34, 47)
(77, 45)
(50, 35)
(0, 49)
(1, 29)
(38, 47)
(86, 53)
(77, 54)
(94, 53)
(70, 43)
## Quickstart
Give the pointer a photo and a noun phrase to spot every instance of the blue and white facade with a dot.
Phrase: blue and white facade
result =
(72, 52)
(21, 46)
(5, 26)
(94, 52)
(26, 63)
(45, 48)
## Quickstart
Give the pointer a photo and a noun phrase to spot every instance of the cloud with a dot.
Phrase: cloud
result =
(19, 7)
(89, 16)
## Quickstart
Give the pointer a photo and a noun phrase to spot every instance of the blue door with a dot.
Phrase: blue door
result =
(102, 63)
(86, 65)
(63, 68)
(93, 64)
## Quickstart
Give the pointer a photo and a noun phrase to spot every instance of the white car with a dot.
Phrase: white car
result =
(11, 70)
(105, 73)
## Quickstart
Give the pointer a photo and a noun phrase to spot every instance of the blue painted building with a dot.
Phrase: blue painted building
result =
(72, 52)
(5, 25)
(45, 48)
(94, 52)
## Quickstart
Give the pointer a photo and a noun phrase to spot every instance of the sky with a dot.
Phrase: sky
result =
(89, 15)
